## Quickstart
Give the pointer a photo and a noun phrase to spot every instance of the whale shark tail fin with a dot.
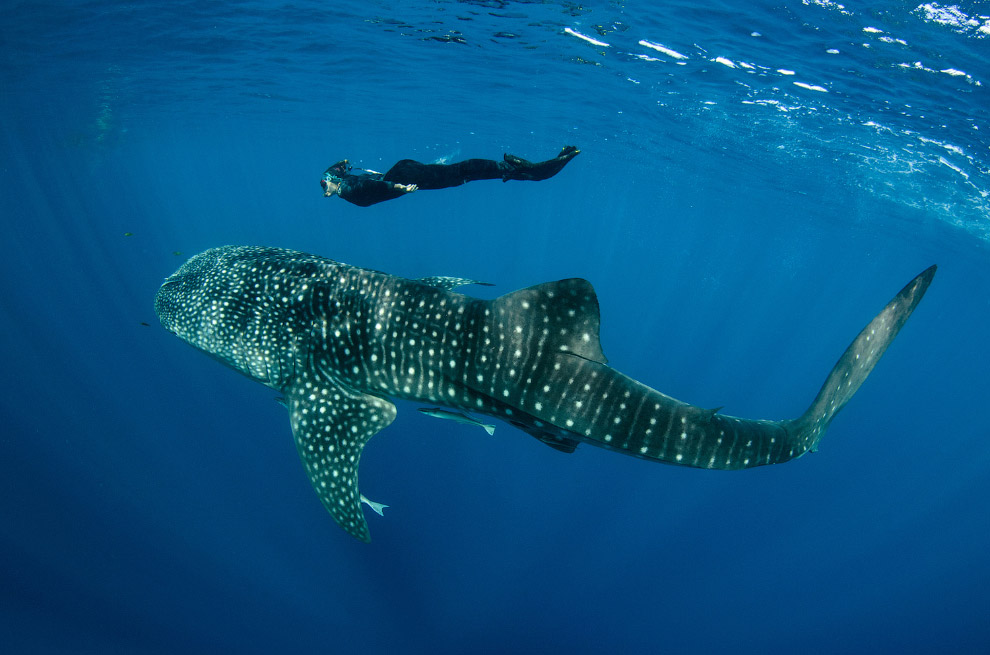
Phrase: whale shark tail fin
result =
(856, 363)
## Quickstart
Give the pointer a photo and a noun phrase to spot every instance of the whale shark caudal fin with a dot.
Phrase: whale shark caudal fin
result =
(331, 424)
(856, 363)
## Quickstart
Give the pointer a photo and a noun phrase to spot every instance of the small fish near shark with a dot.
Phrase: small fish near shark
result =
(456, 417)
(338, 342)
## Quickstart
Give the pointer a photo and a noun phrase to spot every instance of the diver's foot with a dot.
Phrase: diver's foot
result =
(520, 169)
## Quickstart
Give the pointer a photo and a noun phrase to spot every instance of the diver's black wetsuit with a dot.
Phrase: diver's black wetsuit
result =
(371, 188)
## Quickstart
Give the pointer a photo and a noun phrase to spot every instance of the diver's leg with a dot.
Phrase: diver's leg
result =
(441, 176)
(520, 169)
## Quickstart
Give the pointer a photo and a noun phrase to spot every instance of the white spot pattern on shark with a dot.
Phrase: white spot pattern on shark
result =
(338, 341)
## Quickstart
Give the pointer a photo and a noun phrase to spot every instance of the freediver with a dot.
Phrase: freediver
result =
(406, 176)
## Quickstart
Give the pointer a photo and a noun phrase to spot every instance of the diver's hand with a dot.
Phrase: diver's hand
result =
(406, 188)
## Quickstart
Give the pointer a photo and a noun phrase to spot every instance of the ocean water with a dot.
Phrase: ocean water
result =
(756, 180)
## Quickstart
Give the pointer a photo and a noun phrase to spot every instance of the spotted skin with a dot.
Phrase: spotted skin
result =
(338, 342)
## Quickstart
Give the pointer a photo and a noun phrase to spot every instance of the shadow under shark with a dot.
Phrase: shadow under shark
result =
(338, 341)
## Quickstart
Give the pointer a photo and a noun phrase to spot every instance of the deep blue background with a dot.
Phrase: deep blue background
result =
(739, 230)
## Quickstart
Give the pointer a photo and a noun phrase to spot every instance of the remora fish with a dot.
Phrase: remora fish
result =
(456, 417)
(337, 341)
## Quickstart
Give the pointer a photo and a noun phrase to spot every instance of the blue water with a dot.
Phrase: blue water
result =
(756, 180)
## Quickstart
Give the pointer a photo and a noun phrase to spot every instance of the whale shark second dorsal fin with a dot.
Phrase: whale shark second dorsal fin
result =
(563, 313)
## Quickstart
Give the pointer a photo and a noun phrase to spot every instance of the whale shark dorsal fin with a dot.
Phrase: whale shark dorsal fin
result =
(565, 312)
(331, 423)
(450, 283)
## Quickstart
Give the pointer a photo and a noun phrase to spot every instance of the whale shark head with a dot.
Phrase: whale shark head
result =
(181, 298)
(247, 308)
(267, 313)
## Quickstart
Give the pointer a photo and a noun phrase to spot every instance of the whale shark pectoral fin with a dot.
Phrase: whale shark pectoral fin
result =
(331, 423)
(450, 283)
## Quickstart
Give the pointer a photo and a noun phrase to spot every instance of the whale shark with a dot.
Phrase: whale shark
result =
(339, 343)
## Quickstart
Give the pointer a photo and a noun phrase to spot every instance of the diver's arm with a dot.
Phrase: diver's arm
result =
(366, 191)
